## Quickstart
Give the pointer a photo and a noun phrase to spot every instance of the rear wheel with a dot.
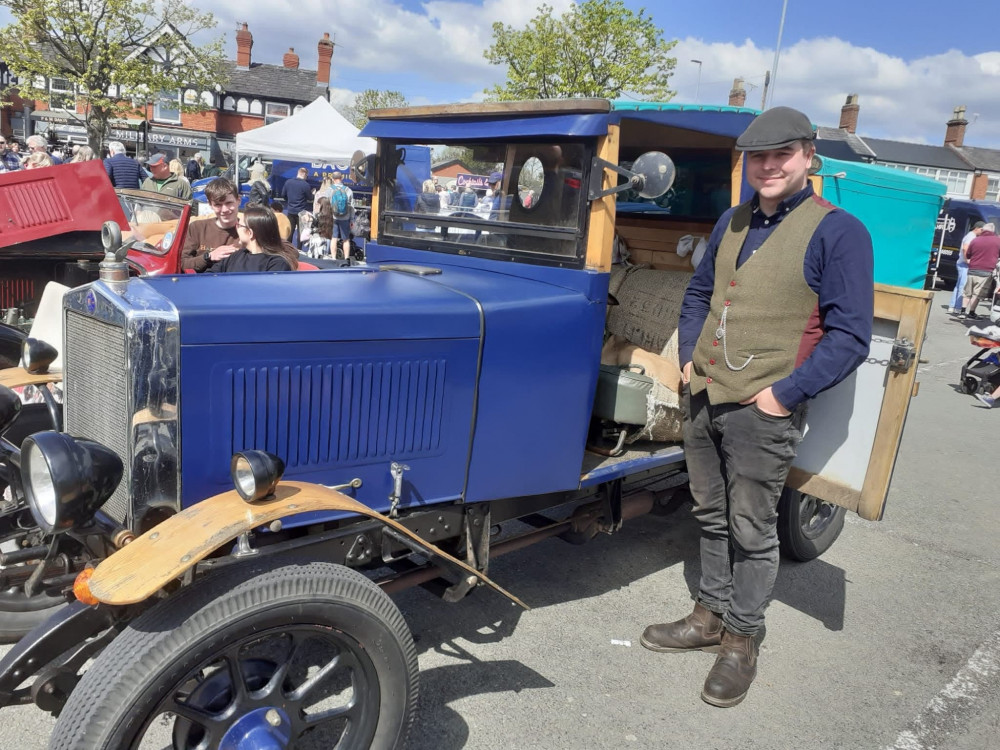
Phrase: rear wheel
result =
(970, 385)
(807, 526)
(309, 655)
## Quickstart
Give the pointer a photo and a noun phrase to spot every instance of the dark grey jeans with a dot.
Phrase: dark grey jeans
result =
(738, 458)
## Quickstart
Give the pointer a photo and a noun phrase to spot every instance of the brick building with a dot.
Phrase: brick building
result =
(255, 94)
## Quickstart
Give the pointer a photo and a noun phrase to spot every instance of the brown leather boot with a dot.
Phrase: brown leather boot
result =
(734, 670)
(700, 630)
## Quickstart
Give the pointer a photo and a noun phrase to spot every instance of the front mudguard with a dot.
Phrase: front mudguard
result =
(66, 629)
(174, 546)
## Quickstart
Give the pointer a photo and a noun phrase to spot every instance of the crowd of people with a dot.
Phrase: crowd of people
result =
(316, 221)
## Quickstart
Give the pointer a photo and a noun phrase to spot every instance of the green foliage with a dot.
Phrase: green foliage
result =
(100, 48)
(368, 99)
(598, 48)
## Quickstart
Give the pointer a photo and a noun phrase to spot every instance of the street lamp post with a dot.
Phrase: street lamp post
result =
(697, 90)
(777, 53)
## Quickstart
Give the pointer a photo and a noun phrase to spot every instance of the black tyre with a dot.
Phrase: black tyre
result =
(969, 385)
(292, 655)
(20, 613)
(807, 526)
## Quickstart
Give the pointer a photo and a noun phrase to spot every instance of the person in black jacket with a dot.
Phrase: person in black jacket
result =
(428, 202)
(193, 169)
(261, 248)
(124, 171)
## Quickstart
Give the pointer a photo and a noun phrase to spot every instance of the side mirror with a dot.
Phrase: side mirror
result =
(652, 175)
(656, 171)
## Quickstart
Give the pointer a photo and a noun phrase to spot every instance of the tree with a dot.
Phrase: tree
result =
(368, 99)
(598, 48)
(113, 57)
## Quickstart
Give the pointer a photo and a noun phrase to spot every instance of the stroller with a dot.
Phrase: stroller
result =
(981, 374)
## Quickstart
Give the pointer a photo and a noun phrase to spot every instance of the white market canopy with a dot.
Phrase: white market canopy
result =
(317, 132)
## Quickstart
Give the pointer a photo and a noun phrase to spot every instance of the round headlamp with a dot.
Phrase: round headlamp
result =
(37, 355)
(67, 479)
(10, 407)
(256, 474)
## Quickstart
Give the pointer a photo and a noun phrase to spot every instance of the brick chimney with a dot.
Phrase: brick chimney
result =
(738, 94)
(325, 55)
(244, 43)
(955, 134)
(290, 60)
(849, 114)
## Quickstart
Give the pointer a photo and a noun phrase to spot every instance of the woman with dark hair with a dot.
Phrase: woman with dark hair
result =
(261, 248)
(322, 232)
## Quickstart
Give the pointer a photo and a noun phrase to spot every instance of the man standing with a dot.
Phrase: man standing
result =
(209, 241)
(38, 143)
(297, 194)
(342, 202)
(123, 170)
(779, 309)
(982, 255)
(9, 161)
(163, 181)
(959, 303)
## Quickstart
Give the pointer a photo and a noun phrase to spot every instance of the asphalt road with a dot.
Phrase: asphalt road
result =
(891, 640)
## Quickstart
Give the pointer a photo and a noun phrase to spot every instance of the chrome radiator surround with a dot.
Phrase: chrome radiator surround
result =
(121, 355)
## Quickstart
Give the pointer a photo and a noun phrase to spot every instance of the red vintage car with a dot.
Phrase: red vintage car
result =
(51, 231)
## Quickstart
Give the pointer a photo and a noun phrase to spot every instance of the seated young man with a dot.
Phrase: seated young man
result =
(210, 241)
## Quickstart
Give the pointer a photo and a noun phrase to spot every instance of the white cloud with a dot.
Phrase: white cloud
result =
(444, 42)
(900, 99)
(433, 52)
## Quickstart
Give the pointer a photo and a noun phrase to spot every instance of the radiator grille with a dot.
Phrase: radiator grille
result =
(97, 394)
(16, 292)
(331, 413)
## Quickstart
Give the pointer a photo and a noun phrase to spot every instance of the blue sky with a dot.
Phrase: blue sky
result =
(911, 62)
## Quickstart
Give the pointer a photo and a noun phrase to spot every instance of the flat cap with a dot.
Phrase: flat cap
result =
(776, 128)
(979, 225)
(155, 159)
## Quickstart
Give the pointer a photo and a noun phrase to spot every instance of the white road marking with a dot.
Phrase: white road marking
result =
(950, 709)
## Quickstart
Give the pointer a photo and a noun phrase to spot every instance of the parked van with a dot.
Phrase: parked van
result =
(956, 219)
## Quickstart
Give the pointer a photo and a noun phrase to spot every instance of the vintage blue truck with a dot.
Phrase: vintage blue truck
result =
(252, 463)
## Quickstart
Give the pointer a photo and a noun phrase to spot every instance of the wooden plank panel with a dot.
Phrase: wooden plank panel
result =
(915, 310)
(14, 377)
(376, 179)
(470, 109)
(601, 234)
(169, 549)
(833, 492)
(736, 179)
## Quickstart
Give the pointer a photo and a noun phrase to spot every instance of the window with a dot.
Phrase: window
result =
(959, 183)
(276, 112)
(490, 219)
(61, 94)
(993, 189)
(166, 107)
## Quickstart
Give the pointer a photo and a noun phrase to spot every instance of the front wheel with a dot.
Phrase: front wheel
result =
(807, 526)
(308, 655)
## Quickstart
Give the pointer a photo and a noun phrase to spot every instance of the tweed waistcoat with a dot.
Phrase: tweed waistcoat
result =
(754, 333)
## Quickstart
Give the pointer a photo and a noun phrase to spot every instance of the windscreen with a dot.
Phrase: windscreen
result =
(152, 223)
(521, 201)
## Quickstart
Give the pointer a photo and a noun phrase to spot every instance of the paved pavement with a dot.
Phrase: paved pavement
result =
(890, 641)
